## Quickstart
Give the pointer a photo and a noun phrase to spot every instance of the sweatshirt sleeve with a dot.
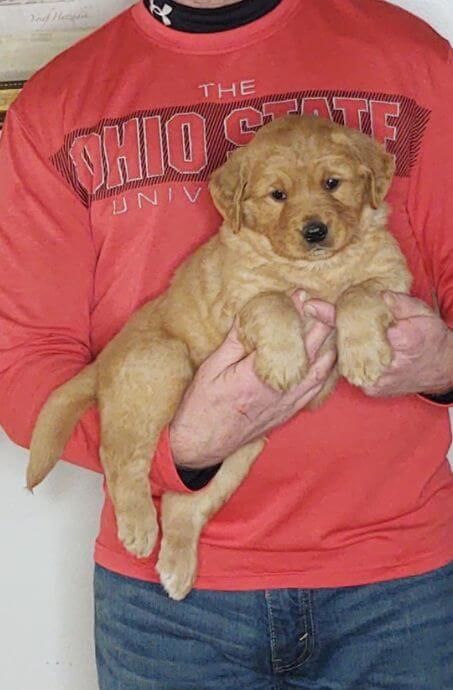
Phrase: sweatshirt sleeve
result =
(47, 269)
(430, 202)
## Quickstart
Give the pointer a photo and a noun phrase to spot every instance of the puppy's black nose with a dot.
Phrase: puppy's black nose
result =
(315, 231)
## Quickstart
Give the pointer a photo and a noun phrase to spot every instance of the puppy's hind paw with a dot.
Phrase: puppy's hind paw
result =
(177, 567)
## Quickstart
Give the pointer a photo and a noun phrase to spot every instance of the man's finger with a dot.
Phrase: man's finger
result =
(320, 310)
(382, 392)
(316, 338)
(388, 380)
(398, 339)
(324, 315)
(317, 374)
(404, 336)
(379, 388)
(299, 299)
(404, 306)
(230, 352)
(372, 391)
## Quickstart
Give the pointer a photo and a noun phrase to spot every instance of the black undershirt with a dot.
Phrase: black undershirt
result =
(201, 20)
(197, 20)
(440, 398)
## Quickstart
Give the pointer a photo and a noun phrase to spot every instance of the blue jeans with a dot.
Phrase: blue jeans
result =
(394, 635)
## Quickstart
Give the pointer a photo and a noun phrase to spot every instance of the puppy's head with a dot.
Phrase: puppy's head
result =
(305, 183)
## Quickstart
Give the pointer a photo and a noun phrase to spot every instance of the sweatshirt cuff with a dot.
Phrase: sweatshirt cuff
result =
(164, 473)
(439, 399)
(166, 476)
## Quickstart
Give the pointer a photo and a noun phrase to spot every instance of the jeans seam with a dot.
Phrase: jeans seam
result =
(305, 607)
(313, 639)
(305, 613)
(272, 635)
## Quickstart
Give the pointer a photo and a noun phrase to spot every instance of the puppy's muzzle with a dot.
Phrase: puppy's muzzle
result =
(315, 231)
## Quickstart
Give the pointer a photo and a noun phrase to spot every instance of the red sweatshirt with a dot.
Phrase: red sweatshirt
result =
(103, 192)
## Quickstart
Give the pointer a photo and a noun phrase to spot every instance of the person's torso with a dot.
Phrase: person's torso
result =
(141, 121)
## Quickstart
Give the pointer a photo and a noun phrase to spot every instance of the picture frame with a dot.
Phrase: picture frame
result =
(9, 90)
(32, 32)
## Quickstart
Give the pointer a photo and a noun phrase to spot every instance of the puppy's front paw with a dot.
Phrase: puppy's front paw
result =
(284, 368)
(362, 360)
(138, 531)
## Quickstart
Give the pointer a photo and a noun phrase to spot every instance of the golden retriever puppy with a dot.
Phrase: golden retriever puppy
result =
(303, 208)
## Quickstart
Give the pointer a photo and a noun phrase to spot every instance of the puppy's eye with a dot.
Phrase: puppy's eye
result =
(278, 195)
(331, 183)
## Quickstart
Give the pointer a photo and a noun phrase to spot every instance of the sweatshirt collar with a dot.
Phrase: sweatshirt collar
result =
(217, 42)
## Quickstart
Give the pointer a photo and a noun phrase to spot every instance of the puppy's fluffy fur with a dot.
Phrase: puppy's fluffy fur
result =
(267, 193)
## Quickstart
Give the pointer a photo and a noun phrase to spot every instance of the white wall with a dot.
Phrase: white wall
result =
(46, 544)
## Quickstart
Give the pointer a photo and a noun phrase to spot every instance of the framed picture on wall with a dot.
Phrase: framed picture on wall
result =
(9, 90)
(32, 32)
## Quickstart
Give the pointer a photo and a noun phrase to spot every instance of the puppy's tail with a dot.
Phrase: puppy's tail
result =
(57, 421)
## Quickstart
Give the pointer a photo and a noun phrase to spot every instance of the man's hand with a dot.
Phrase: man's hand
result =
(227, 405)
(422, 350)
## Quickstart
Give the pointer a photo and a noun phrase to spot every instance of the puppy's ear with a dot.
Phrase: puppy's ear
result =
(228, 185)
(379, 167)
